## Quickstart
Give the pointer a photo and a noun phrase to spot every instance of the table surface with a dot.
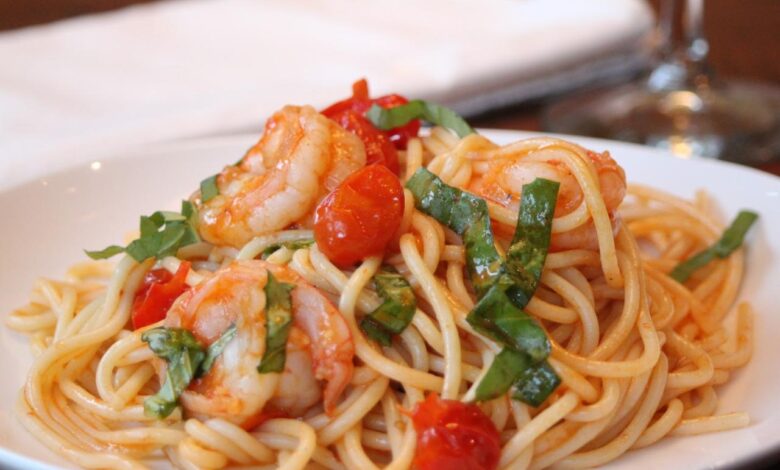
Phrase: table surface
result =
(743, 36)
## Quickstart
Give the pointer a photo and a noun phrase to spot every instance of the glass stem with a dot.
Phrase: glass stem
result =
(696, 45)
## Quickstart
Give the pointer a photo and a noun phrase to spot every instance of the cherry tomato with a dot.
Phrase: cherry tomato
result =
(157, 293)
(380, 145)
(378, 148)
(452, 435)
(360, 216)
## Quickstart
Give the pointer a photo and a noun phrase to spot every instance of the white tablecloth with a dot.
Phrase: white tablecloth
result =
(77, 89)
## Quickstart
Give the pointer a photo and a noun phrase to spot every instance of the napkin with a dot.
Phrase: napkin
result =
(90, 87)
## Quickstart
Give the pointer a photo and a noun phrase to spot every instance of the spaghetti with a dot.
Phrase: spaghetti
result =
(638, 354)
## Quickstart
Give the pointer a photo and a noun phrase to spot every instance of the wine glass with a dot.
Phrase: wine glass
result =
(680, 105)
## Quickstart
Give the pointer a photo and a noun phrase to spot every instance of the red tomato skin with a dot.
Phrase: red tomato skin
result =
(379, 149)
(452, 435)
(351, 110)
(360, 217)
(156, 295)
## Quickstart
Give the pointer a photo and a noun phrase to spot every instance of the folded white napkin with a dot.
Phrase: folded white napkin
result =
(78, 89)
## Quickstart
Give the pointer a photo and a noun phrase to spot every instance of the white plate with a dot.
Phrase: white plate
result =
(46, 224)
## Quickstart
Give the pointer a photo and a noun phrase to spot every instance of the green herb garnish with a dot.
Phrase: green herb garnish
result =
(290, 245)
(397, 308)
(162, 234)
(390, 118)
(503, 287)
(184, 355)
(528, 251)
(731, 239)
(209, 189)
(278, 310)
(215, 349)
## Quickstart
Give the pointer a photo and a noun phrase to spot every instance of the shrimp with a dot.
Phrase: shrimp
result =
(301, 157)
(319, 346)
(503, 181)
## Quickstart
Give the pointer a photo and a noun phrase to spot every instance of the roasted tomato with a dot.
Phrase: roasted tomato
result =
(360, 216)
(452, 435)
(380, 145)
(156, 295)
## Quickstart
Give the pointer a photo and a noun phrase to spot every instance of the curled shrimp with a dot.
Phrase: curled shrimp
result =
(503, 181)
(301, 157)
(319, 346)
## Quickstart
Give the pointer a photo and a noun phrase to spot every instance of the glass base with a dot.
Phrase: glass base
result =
(738, 121)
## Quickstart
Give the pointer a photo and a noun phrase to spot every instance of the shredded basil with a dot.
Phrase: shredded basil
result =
(215, 349)
(535, 383)
(528, 251)
(503, 287)
(497, 317)
(390, 118)
(278, 310)
(290, 245)
(162, 234)
(397, 308)
(184, 356)
(208, 188)
(467, 215)
(731, 239)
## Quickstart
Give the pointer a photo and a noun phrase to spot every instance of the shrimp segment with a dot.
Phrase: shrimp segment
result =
(301, 156)
(503, 181)
(319, 347)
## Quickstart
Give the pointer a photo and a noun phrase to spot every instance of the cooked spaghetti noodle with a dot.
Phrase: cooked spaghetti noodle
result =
(639, 355)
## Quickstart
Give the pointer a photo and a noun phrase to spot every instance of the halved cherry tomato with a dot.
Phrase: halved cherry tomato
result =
(452, 435)
(380, 145)
(378, 148)
(157, 294)
(360, 216)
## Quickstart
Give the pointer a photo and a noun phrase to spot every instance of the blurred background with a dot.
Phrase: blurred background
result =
(87, 77)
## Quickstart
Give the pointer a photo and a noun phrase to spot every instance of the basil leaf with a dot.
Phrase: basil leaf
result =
(730, 240)
(390, 118)
(535, 383)
(215, 349)
(503, 372)
(532, 383)
(208, 188)
(105, 253)
(468, 216)
(290, 245)
(162, 234)
(497, 317)
(278, 310)
(397, 308)
(528, 251)
(184, 356)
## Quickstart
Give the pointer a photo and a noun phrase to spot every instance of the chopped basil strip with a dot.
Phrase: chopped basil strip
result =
(535, 383)
(105, 253)
(731, 239)
(184, 356)
(528, 251)
(209, 188)
(531, 383)
(278, 310)
(215, 349)
(502, 374)
(497, 317)
(162, 234)
(468, 216)
(290, 245)
(397, 308)
(390, 118)
(503, 287)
